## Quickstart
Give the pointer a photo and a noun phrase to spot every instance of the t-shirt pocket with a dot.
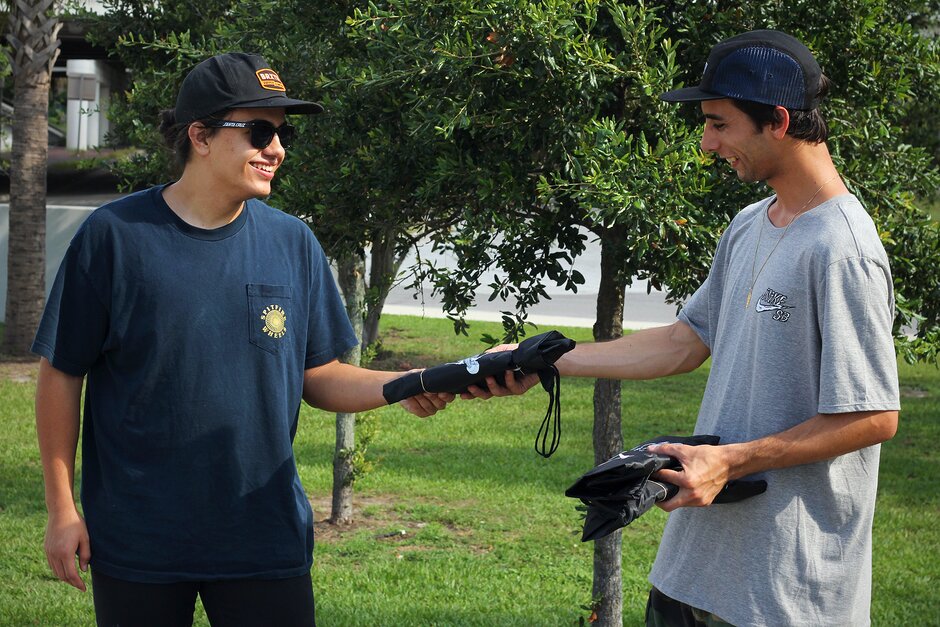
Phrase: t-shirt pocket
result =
(269, 317)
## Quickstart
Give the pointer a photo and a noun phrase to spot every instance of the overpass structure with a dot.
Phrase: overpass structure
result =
(91, 77)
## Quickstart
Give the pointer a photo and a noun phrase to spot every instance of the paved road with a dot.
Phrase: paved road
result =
(641, 310)
(66, 211)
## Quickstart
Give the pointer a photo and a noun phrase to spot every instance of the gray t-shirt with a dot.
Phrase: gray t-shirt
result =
(816, 338)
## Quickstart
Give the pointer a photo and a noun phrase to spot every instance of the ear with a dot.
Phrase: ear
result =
(199, 138)
(778, 128)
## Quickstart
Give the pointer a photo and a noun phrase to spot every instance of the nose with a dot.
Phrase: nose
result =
(275, 149)
(708, 143)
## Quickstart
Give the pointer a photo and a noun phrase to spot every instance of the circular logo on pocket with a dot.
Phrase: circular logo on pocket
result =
(275, 321)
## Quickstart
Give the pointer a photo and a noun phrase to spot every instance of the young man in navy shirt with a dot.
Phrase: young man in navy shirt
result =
(198, 318)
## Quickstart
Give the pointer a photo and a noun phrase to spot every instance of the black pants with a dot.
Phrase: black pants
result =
(663, 611)
(240, 603)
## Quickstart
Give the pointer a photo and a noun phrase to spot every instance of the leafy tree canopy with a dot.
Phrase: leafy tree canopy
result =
(510, 130)
(552, 114)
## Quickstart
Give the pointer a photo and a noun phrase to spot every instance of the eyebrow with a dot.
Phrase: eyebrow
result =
(713, 116)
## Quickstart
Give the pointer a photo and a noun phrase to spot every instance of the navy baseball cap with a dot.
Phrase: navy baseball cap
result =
(765, 66)
(234, 80)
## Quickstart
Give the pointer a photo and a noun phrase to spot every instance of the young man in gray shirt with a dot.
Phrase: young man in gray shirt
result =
(796, 314)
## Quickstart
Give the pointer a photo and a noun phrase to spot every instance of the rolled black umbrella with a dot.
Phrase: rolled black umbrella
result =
(620, 490)
(536, 354)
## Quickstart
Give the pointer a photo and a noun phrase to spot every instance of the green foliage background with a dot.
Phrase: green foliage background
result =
(507, 129)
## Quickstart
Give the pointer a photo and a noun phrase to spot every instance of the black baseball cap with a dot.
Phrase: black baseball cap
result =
(765, 66)
(234, 80)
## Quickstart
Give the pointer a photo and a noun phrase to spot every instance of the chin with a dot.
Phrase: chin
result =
(261, 191)
(746, 177)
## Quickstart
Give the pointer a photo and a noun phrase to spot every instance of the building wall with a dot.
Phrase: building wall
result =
(61, 223)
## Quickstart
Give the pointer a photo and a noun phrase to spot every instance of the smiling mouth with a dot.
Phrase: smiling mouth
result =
(264, 167)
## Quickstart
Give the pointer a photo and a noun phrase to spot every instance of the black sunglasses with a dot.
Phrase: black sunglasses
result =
(262, 131)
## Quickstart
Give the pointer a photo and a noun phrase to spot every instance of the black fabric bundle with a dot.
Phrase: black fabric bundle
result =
(620, 490)
(536, 354)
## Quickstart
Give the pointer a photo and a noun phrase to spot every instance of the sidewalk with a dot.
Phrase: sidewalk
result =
(640, 310)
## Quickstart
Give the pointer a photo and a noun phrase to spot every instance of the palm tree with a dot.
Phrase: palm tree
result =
(34, 39)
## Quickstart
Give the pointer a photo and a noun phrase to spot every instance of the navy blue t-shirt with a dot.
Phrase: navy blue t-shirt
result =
(194, 343)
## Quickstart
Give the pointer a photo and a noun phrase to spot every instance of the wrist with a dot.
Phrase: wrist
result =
(738, 457)
(61, 507)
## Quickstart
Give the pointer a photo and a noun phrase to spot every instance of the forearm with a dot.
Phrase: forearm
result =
(58, 398)
(822, 437)
(706, 469)
(646, 354)
(339, 387)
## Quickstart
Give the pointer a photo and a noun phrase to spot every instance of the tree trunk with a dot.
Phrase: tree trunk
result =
(34, 39)
(608, 436)
(382, 272)
(351, 274)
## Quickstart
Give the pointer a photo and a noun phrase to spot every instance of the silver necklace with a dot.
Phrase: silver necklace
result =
(760, 233)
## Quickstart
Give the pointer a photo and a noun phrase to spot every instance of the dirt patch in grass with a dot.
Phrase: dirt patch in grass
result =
(370, 513)
(380, 514)
(19, 370)
(398, 361)
(913, 392)
(385, 358)
(387, 523)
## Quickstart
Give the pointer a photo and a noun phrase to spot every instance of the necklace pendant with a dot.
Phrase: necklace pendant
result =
(748, 303)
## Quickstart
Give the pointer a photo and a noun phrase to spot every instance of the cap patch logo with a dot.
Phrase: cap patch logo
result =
(270, 80)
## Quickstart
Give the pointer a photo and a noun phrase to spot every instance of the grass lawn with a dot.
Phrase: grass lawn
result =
(462, 523)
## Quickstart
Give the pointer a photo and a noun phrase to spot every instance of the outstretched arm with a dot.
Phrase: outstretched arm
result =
(340, 387)
(58, 398)
(646, 354)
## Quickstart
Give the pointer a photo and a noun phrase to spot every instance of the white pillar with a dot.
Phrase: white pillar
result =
(89, 85)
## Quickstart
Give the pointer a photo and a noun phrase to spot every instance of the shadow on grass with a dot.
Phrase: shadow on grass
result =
(453, 462)
(21, 490)
(414, 614)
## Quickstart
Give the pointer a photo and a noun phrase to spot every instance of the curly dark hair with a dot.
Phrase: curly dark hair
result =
(810, 126)
(176, 135)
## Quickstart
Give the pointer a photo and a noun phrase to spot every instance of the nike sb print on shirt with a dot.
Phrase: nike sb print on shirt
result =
(775, 302)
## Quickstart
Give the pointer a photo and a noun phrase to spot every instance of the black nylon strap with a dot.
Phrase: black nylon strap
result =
(551, 381)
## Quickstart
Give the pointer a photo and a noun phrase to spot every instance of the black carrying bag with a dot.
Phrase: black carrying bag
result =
(536, 354)
(620, 490)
